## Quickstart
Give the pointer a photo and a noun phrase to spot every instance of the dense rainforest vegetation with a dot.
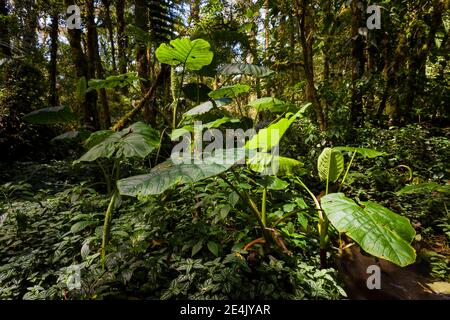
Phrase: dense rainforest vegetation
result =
(211, 149)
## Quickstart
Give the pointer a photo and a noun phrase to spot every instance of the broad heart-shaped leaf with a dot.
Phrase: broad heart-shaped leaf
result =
(365, 152)
(207, 106)
(50, 115)
(268, 164)
(138, 140)
(376, 229)
(330, 165)
(269, 137)
(229, 91)
(97, 137)
(246, 69)
(193, 55)
(271, 104)
(169, 174)
(391, 220)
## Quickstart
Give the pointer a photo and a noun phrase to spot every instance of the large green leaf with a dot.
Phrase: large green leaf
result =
(193, 55)
(268, 164)
(271, 104)
(52, 115)
(330, 165)
(365, 152)
(376, 229)
(246, 69)
(138, 140)
(269, 137)
(168, 174)
(97, 137)
(229, 91)
(208, 106)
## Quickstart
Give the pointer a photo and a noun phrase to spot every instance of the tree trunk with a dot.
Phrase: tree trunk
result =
(121, 36)
(141, 21)
(358, 62)
(30, 26)
(106, 118)
(54, 32)
(267, 29)
(195, 12)
(416, 74)
(89, 106)
(109, 26)
(306, 25)
(5, 44)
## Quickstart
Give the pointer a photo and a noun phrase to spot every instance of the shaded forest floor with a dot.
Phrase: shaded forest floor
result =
(165, 247)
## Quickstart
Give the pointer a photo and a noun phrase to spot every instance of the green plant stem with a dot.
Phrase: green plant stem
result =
(346, 171)
(322, 226)
(253, 207)
(263, 207)
(175, 107)
(106, 227)
(159, 147)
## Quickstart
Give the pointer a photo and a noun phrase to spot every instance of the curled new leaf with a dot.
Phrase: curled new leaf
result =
(330, 165)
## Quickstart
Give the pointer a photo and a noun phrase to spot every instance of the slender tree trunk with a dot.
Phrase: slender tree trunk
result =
(393, 62)
(195, 12)
(106, 118)
(54, 32)
(89, 106)
(305, 17)
(29, 44)
(141, 21)
(267, 29)
(121, 36)
(5, 43)
(416, 74)
(109, 26)
(358, 61)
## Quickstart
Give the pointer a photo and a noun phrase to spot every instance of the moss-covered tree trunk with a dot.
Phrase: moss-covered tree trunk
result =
(306, 23)
(80, 60)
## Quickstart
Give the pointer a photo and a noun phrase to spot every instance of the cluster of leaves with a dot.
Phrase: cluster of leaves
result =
(169, 249)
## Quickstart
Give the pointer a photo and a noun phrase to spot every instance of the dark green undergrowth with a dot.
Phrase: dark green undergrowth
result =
(190, 243)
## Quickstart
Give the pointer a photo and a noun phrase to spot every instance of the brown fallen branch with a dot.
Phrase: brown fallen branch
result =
(148, 96)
